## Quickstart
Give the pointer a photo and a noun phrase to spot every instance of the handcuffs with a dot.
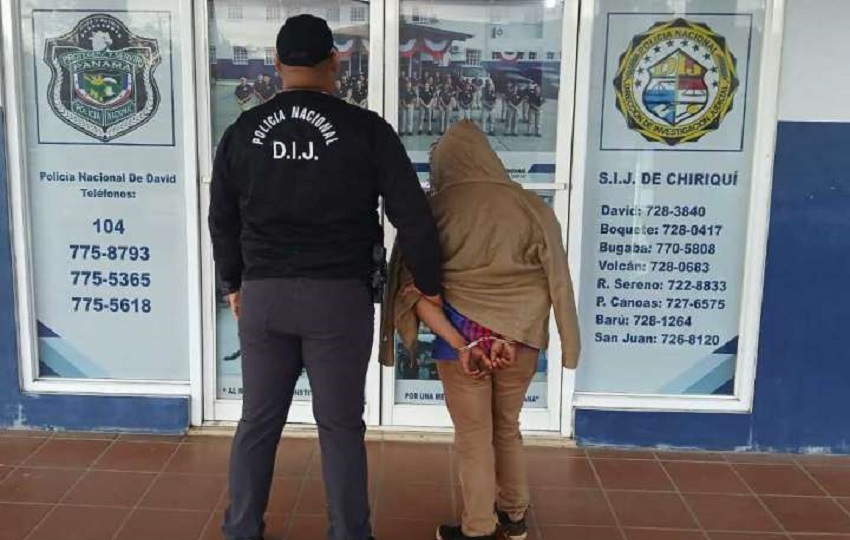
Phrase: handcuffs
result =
(479, 341)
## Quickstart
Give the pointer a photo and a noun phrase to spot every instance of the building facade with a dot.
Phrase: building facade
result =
(695, 153)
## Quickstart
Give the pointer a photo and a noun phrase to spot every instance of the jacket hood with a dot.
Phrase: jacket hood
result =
(464, 154)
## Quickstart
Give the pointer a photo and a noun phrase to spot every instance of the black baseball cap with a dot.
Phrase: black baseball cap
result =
(304, 40)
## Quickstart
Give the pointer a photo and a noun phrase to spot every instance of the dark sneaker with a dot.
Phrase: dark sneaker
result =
(454, 532)
(512, 530)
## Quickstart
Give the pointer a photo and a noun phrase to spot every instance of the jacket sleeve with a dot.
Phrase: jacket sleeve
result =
(225, 220)
(398, 314)
(554, 259)
(408, 210)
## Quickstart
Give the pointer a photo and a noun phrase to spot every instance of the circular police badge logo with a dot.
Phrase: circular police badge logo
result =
(102, 80)
(676, 82)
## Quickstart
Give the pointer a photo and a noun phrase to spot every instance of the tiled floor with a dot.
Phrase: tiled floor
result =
(103, 487)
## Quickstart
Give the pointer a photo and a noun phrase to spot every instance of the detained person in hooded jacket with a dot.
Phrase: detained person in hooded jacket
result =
(504, 269)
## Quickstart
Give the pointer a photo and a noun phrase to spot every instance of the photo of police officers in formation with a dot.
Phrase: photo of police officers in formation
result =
(429, 104)
(349, 88)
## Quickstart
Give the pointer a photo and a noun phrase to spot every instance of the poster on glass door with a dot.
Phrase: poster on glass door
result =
(242, 52)
(496, 64)
(672, 122)
(242, 75)
(106, 189)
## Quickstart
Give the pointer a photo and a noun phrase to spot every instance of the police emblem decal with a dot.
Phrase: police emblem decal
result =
(102, 81)
(676, 82)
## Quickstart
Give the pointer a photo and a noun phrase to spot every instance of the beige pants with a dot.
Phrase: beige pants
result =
(488, 442)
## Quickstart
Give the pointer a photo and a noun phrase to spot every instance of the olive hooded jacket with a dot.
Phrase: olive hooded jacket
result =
(503, 259)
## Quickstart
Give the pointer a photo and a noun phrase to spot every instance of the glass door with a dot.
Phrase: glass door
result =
(236, 49)
(508, 66)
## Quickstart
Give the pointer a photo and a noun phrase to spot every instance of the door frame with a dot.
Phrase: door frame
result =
(13, 91)
(741, 401)
(558, 416)
(217, 410)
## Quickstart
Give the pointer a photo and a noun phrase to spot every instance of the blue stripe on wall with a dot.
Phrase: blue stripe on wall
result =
(802, 399)
(663, 430)
(68, 412)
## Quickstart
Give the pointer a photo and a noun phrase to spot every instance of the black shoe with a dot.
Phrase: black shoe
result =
(512, 530)
(454, 532)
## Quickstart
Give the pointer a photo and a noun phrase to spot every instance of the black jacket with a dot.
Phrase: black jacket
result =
(295, 191)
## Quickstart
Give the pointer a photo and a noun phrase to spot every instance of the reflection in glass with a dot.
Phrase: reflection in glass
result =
(242, 76)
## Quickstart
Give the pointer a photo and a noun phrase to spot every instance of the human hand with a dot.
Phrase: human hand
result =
(503, 354)
(235, 301)
(482, 359)
(474, 362)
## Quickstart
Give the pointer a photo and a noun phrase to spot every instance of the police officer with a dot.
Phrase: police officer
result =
(346, 84)
(294, 224)
(408, 98)
(361, 93)
(514, 102)
(244, 92)
(264, 89)
(339, 91)
(525, 92)
(446, 102)
(535, 106)
(465, 100)
(488, 103)
(426, 108)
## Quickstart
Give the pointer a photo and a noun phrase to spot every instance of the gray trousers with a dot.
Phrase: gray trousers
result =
(407, 114)
(325, 327)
